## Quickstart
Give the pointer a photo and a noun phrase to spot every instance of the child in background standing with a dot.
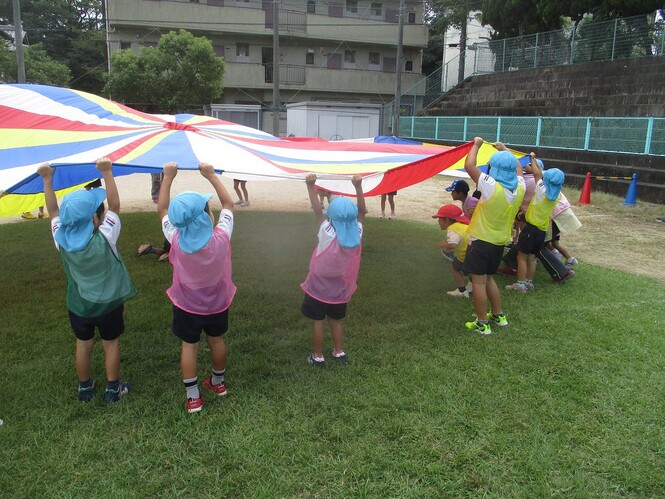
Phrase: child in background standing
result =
(243, 196)
(333, 268)
(97, 281)
(202, 289)
(455, 223)
(391, 202)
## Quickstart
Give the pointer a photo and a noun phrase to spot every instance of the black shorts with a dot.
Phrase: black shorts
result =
(482, 258)
(110, 325)
(458, 266)
(188, 326)
(318, 310)
(531, 240)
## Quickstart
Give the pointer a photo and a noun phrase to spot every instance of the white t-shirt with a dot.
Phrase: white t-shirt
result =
(110, 229)
(453, 237)
(225, 222)
(327, 235)
(486, 187)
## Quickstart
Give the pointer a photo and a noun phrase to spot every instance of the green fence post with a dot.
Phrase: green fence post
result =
(498, 129)
(647, 142)
(413, 125)
(587, 134)
(535, 53)
(538, 129)
(464, 132)
(436, 128)
(614, 38)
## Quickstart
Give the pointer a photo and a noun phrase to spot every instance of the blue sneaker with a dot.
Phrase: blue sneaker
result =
(340, 359)
(316, 362)
(87, 393)
(113, 395)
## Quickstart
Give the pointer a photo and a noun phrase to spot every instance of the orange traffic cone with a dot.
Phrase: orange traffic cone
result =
(585, 195)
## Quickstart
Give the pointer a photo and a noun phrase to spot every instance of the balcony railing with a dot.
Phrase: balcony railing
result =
(289, 74)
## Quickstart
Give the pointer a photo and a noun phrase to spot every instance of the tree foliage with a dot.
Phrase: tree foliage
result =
(39, 67)
(182, 72)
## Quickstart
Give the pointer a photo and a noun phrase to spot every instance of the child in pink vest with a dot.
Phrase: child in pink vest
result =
(202, 289)
(333, 268)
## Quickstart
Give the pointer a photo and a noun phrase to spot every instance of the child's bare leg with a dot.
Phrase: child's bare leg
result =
(493, 295)
(562, 249)
(317, 338)
(217, 352)
(84, 358)
(112, 359)
(458, 278)
(383, 203)
(188, 357)
(522, 266)
(480, 295)
(531, 267)
(337, 333)
(243, 186)
(236, 187)
(391, 202)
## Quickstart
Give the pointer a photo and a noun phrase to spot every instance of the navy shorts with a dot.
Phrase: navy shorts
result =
(110, 325)
(482, 258)
(188, 326)
(318, 310)
(458, 266)
(531, 240)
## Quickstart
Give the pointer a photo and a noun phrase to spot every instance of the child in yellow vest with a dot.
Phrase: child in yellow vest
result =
(532, 236)
(502, 191)
(455, 223)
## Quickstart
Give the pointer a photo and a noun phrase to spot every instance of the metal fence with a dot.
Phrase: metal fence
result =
(623, 135)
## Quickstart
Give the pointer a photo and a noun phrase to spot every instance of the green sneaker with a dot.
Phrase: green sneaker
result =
(498, 319)
(477, 327)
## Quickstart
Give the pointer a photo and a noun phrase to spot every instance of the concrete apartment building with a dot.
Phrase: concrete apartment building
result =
(330, 51)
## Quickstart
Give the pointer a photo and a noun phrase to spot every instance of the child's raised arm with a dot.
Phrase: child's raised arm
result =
(112, 196)
(208, 172)
(170, 170)
(46, 172)
(310, 180)
(357, 182)
(535, 168)
(471, 159)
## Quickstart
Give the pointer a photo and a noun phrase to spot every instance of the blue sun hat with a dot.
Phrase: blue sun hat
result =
(553, 179)
(75, 215)
(503, 166)
(187, 214)
(343, 213)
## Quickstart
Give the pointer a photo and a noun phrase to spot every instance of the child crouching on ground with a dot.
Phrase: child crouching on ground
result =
(333, 268)
(97, 281)
(455, 223)
(202, 289)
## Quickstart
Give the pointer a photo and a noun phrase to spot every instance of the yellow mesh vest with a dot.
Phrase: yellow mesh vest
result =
(494, 217)
(539, 213)
(461, 229)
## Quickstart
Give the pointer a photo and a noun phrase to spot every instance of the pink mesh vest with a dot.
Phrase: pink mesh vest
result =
(202, 281)
(333, 274)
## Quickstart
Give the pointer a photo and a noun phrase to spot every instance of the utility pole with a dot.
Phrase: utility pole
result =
(275, 68)
(398, 69)
(18, 41)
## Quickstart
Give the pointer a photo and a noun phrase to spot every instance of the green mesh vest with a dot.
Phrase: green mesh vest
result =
(97, 280)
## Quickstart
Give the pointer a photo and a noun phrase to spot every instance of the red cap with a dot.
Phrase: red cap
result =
(451, 211)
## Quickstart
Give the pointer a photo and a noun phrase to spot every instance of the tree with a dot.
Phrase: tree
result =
(39, 67)
(181, 73)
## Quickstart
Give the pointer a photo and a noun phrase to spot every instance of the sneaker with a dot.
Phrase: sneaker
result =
(530, 286)
(115, 395)
(219, 389)
(155, 199)
(164, 257)
(143, 249)
(382, 215)
(87, 393)
(520, 287)
(341, 358)
(507, 271)
(570, 273)
(571, 261)
(194, 405)
(244, 203)
(458, 294)
(477, 327)
(448, 255)
(239, 202)
(28, 215)
(316, 362)
(660, 220)
(469, 287)
(498, 319)
(392, 216)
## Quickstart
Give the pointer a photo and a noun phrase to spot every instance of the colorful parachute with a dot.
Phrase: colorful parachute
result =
(71, 129)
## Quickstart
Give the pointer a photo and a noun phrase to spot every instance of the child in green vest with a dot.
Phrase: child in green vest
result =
(97, 281)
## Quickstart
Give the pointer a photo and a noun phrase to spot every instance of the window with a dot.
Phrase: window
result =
(389, 64)
(374, 58)
(411, 19)
(376, 9)
(242, 50)
(352, 6)
(125, 45)
(219, 50)
(408, 65)
(309, 58)
(311, 7)
(350, 56)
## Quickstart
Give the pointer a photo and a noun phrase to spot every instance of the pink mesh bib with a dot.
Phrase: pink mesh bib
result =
(333, 274)
(202, 281)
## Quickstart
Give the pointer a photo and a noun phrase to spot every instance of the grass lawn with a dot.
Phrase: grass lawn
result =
(568, 400)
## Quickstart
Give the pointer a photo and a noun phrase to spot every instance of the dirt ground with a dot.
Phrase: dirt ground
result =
(621, 237)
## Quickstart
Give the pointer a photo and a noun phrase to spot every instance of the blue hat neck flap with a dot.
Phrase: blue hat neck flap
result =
(76, 214)
(553, 179)
(343, 213)
(187, 213)
(503, 166)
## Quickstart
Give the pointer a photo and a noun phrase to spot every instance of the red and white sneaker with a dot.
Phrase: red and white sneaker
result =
(194, 405)
(219, 389)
